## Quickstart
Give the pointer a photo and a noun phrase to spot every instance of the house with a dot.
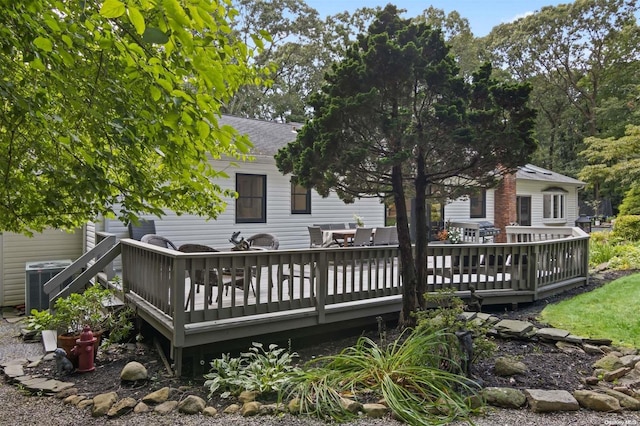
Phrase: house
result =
(268, 201)
(532, 197)
(17, 250)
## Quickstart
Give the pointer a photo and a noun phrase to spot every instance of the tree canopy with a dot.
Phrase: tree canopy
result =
(111, 108)
(395, 120)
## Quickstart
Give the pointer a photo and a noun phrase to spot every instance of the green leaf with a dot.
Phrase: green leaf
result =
(155, 36)
(155, 93)
(43, 43)
(136, 19)
(203, 129)
(112, 9)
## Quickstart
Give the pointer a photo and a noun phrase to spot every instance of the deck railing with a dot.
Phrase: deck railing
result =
(286, 289)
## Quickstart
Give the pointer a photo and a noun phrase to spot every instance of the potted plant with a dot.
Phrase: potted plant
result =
(71, 314)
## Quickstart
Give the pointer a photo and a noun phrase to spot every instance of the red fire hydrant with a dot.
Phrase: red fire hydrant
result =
(84, 349)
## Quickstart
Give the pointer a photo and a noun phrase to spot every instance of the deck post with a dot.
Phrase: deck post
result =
(532, 276)
(178, 301)
(322, 279)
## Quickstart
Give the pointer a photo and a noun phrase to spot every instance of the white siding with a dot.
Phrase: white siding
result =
(17, 250)
(459, 210)
(534, 190)
(290, 229)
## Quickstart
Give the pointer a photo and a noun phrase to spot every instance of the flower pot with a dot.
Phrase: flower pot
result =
(68, 342)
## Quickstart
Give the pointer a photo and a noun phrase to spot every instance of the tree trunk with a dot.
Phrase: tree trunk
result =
(421, 228)
(409, 295)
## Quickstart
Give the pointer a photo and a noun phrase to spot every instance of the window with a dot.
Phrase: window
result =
(300, 199)
(251, 204)
(553, 204)
(478, 204)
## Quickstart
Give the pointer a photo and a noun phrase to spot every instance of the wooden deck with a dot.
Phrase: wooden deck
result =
(295, 289)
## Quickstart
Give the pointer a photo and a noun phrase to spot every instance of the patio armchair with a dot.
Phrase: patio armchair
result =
(158, 240)
(200, 265)
(362, 237)
(144, 227)
(382, 236)
(315, 236)
(265, 241)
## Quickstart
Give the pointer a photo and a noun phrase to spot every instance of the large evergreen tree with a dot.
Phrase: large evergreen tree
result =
(394, 119)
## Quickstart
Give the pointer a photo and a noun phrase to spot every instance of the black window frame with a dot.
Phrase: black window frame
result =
(263, 199)
(296, 191)
(482, 195)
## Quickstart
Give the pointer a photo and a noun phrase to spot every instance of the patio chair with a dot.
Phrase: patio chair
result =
(158, 240)
(382, 236)
(362, 237)
(200, 265)
(315, 236)
(323, 226)
(353, 225)
(266, 241)
(144, 227)
(338, 226)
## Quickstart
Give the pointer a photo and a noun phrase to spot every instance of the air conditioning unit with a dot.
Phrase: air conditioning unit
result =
(37, 275)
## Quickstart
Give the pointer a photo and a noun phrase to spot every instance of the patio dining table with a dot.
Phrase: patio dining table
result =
(342, 237)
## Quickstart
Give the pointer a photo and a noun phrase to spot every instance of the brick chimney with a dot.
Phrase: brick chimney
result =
(505, 206)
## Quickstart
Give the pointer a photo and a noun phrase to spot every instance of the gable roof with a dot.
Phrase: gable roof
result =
(531, 172)
(267, 137)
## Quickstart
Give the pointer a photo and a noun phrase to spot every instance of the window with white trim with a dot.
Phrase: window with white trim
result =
(300, 199)
(478, 205)
(554, 204)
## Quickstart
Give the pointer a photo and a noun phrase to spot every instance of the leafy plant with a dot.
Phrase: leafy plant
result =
(264, 371)
(406, 373)
(447, 315)
(70, 314)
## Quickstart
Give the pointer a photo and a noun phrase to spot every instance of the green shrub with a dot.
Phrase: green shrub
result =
(631, 203)
(625, 257)
(265, 371)
(627, 227)
(447, 315)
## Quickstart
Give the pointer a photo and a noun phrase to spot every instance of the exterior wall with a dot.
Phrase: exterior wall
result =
(17, 249)
(459, 210)
(291, 229)
(505, 206)
(534, 190)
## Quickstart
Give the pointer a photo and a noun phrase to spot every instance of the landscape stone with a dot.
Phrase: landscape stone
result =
(52, 386)
(552, 333)
(375, 411)
(598, 342)
(610, 376)
(85, 403)
(247, 396)
(592, 349)
(157, 397)
(133, 371)
(569, 348)
(294, 406)
(13, 370)
(232, 409)
(572, 338)
(506, 366)
(125, 405)
(504, 397)
(609, 362)
(166, 407)
(626, 401)
(543, 401)
(271, 409)
(250, 408)
(209, 411)
(141, 407)
(630, 360)
(66, 392)
(350, 405)
(192, 404)
(514, 327)
(596, 401)
(102, 403)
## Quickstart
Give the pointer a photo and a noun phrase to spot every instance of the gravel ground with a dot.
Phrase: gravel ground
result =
(24, 410)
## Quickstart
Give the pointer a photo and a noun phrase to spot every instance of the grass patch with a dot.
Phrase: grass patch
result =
(610, 312)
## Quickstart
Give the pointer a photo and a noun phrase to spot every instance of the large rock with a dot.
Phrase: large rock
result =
(504, 397)
(251, 408)
(157, 397)
(608, 362)
(133, 371)
(375, 410)
(102, 403)
(543, 401)
(611, 376)
(515, 328)
(166, 407)
(552, 334)
(626, 401)
(192, 404)
(506, 366)
(125, 405)
(596, 401)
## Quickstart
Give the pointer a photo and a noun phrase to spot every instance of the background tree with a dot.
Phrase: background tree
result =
(581, 58)
(111, 104)
(394, 118)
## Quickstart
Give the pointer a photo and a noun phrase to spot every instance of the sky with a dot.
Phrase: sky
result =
(482, 15)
